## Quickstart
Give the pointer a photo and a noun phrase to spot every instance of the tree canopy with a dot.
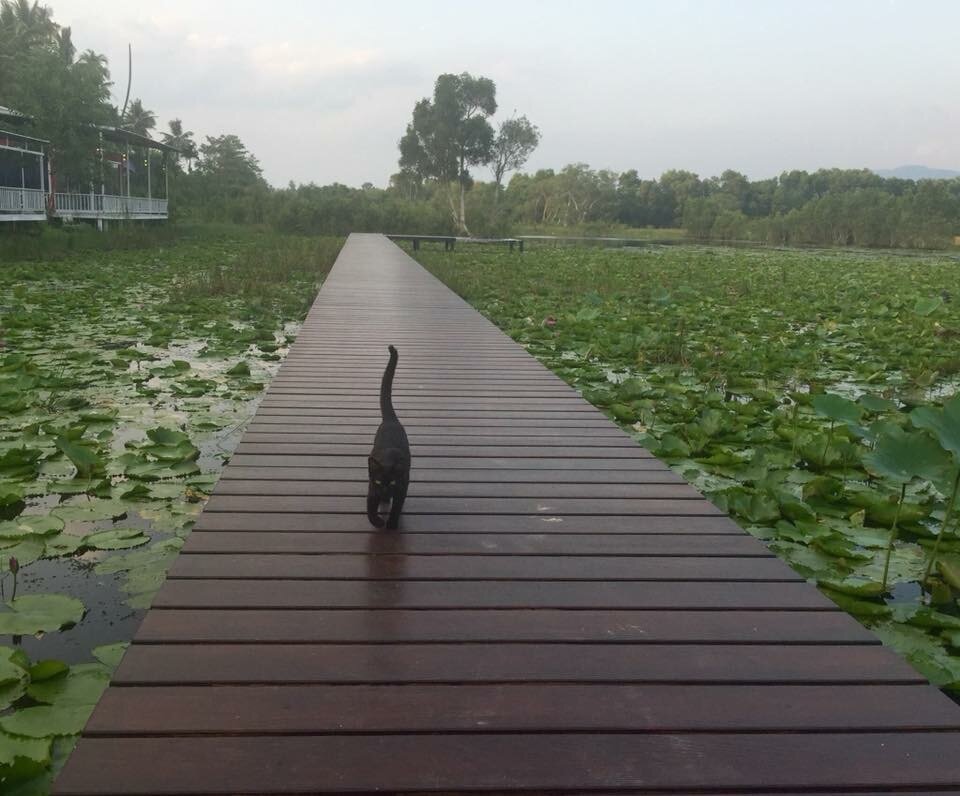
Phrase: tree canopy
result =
(515, 141)
(451, 133)
(64, 94)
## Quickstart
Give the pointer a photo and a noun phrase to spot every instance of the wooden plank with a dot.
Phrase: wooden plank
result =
(320, 504)
(464, 476)
(362, 449)
(373, 565)
(444, 544)
(516, 761)
(505, 626)
(308, 437)
(149, 664)
(316, 709)
(490, 462)
(422, 488)
(214, 593)
(441, 435)
(481, 417)
(463, 523)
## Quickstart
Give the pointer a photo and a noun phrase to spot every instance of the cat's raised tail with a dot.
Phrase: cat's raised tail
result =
(386, 387)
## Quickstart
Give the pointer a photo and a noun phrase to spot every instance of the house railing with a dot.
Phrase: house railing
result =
(22, 200)
(95, 205)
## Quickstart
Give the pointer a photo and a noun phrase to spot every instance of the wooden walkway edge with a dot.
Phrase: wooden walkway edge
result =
(559, 611)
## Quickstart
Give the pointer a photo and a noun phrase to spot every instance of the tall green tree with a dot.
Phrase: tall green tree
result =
(515, 141)
(450, 133)
(138, 119)
(65, 95)
(182, 141)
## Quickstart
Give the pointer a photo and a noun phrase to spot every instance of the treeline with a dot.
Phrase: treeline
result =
(829, 207)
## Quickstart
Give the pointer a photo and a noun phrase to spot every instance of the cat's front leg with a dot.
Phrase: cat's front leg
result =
(373, 508)
(397, 506)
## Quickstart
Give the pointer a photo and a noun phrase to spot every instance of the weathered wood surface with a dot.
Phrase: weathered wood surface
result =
(559, 612)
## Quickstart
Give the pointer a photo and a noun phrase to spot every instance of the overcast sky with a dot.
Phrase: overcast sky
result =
(321, 91)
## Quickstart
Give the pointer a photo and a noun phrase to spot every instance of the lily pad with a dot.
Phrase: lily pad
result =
(943, 423)
(39, 613)
(47, 670)
(110, 655)
(837, 408)
(240, 369)
(36, 750)
(82, 686)
(84, 456)
(902, 456)
(31, 525)
(91, 511)
(116, 539)
(47, 720)
(25, 551)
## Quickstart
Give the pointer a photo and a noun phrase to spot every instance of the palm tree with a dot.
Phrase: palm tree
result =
(138, 119)
(30, 23)
(180, 140)
(65, 46)
(23, 27)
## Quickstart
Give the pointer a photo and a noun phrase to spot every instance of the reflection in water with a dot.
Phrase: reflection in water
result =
(386, 573)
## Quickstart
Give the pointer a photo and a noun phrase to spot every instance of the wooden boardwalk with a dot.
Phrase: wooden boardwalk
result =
(559, 612)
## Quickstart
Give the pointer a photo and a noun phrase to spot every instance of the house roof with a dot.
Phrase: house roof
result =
(10, 113)
(120, 135)
(12, 134)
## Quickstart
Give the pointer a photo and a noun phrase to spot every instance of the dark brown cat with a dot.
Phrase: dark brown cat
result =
(389, 461)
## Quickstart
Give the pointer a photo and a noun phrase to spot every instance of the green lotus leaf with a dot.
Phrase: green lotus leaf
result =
(47, 720)
(84, 456)
(20, 463)
(10, 494)
(837, 408)
(167, 436)
(928, 306)
(853, 586)
(39, 613)
(47, 670)
(91, 511)
(82, 686)
(943, 423)
(623, 413)
(116, 539)
(242, 368)
(874, 403)
(25, 551)
(14, 678)
(180, 452)
(852, 605)
(30, 525)
(926, 654)
(157, 555)
(902, 456)
(36, 750)
(62, 545)
(80, 486)
(882, 509)
(110, 655)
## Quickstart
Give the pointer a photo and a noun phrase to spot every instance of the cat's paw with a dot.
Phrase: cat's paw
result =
(375, 520)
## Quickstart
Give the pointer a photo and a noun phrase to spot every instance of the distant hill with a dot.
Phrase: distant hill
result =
(918, 173)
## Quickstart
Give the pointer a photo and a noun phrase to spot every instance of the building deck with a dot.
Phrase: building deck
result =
(559, 611)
